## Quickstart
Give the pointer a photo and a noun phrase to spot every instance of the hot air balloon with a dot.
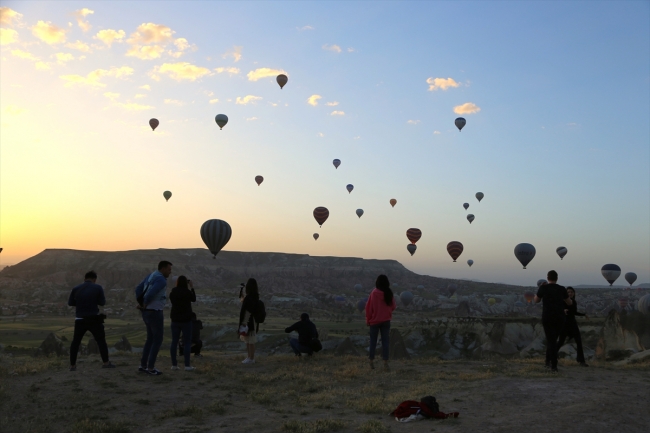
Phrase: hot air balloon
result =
(259, 180)
(154, 124)
(460, 123)
(321, 214)
(540, 282)
(406, 298)
(479, 196)
(221, 120)
(611, 272)
(455, 249)
(340, 300)
(349, 187)
(215, 234)
(1, 249)
(411, 248)
(470, 262)
(529, 296)
(359, 212)
(393, 202)
(561, 251)
(316, 236)
(644, 304)
(492, 301)
(414, 235)
(361, 305)
(282, 80)
(336, 163)
(622, 302)
(465, 205)
(167, 195)
(524, 253)
(470, 218)
(630, 277)
(451, 288)
(358, 287)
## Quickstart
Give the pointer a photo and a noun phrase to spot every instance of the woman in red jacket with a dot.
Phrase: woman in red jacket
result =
(379, 311)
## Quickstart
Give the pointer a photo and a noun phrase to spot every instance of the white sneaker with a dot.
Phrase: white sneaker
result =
(190, 368)
(245, 361)
(175, 367)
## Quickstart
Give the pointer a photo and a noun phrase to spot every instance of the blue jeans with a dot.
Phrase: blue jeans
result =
(154, 319)
(186, 329)
(299, 348)
(384, 329)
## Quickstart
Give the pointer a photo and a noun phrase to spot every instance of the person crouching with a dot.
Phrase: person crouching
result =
(307, 333)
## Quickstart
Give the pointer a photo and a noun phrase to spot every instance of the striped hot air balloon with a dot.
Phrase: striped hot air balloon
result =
(561, 251)
(414, 235)
(470, 218)
(154, 124)
(455, 249)
(259, 180)
(321, 214)
(215, 234)
(610, 272)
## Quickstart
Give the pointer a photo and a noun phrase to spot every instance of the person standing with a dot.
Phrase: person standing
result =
(181, 298)
(555, 299)
(197, 344)
(247, 331)
(571, 329)
(379, 312)
(150, 294)
(87, 297)
(307, 332)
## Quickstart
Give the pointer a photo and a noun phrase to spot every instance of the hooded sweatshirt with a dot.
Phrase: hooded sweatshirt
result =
(376, 309)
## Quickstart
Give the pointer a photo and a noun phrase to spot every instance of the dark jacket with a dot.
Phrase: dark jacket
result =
(248, 305)
(181, 299)
(573, 311)
(86, 297)
(306, 331)
(553, 301)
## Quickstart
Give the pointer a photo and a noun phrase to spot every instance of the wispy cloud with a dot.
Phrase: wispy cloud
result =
(260, 73)
(48, 33)
(303, 28)
(145, 87)
(337, 113)
(467, 108)
(8, 36)
(248, 99)
(132, 106)
(149, 40)
(351, 50)
(441, 83)
(140, 96)
(231, 71)
(313, 100)
(92, 79)
(24, 55)
(436, 132)
(235, 53)
(81, 15)
(62, 58)
(181, 71)
(214, 101)
(9, 17)
(14, 110)
(81, 46)
(320, 134)
(332, 104)
(112, 96)
(334, 48)
(413, 122)
(108, 36)
(174, 102)
(251, 118)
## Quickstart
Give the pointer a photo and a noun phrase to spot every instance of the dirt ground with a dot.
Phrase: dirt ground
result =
(282, 393)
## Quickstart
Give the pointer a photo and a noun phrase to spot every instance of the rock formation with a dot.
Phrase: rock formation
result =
(346, 347)
(615, 342)
(397, 349)
(92, 348)
(52, 345)
(123, 344)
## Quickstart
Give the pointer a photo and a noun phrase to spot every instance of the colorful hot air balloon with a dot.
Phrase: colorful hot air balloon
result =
(411, 248)
(470, 262)
(215, 234)
(414, 235)
(455, 249)
(359, 212)
(470, 218)
(282, 80)
(524, 253)
(336, 163)
(221, 120)
(479, 196)
(321, 214)
(492, 301)
(643, 305)
(361, 305)
(541, 281)
(611, 272)
(529, 296)
(465, 205)
(630, 277)
(561, 251)
(406, 298)
(349, 187)
(259, 180)
(460, 123)
(393, 202)
(316, 236)
(358, 287)
(622, 302)
(167, 195)
(154, 124)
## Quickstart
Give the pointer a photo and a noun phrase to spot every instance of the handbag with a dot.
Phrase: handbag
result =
(243, 330)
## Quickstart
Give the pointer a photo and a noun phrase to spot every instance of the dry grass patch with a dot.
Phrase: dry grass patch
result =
(93, 426)
(373, 426)
(318, 426)
(179, 412)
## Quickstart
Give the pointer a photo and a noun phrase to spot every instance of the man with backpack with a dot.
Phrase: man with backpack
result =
(307, 336)
(151, 296)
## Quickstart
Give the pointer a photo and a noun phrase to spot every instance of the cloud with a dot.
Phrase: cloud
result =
(8, 36)
(61, 58)
(149, 41)
(131, 106)
(413, 122)
(14, 110)
(441, 83)
(48, 33)
(92, 79)
(81, 46)
(313, 100)
(332, 104)
(150, 33)
(334, 48)
(214, 101)
(9, 17)
(140, 96)
(436, 132)
(145, 87)
(112, 96)
(174, 102)
(231, 71)
(260, 73)
(80, 15)
(181, 71)
(235, 53)
(24, 55)
(247, 99)
(251, 118)
(467, 108)
(109, 36)
(337, 113)
(351, 50)
(42, 65)
(305, 28)
(146, 52)
(320, 134)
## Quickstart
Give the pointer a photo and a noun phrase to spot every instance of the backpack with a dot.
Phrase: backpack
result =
(259, 315)
(140, 299)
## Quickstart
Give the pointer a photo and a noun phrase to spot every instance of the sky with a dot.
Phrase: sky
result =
(556, 96)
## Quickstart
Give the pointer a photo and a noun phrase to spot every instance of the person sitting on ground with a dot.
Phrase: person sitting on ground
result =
(197, 344)
(571, 329)
(87, 297)
(246, 329)
(379, 312)
(181, 298)
(307, 332)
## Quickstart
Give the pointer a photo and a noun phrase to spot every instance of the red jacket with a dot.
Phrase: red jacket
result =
(376, 309)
